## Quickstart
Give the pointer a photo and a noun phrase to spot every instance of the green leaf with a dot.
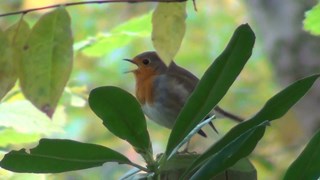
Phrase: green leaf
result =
(122, 115)
(130, 174)
(9, 136)
(12, 41)
(8, 74)
(59, 155)
(213, 85)
(47, 60)
(275, 108)
(118, 37)
(168, 29)
(103, 44)
(307, 165)
(243, 165)
(243, 169)
(138, 26)
(17, 34)
(235, 150)
(311, 22)
(23, 117)
(190, 135)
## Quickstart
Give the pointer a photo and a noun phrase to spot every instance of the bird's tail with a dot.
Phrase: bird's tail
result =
(228, 114)
(224, 114)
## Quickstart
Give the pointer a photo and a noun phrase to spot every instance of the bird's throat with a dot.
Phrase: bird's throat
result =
(144, 90)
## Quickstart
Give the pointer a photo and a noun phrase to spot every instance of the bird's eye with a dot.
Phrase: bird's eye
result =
(146, 61)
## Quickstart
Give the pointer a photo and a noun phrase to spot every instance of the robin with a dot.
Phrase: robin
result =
(163, 90)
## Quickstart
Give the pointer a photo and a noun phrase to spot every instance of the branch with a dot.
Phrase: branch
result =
(86, 2)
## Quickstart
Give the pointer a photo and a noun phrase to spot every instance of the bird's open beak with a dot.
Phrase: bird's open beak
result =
(131, 61)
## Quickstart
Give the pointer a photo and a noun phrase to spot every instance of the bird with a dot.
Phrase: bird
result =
(163, 90)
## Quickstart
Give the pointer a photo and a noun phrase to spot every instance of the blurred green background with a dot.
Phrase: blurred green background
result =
(104, 34)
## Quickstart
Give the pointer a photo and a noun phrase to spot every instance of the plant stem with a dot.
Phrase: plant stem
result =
(139, 167)
(86, 2)
(151, 163)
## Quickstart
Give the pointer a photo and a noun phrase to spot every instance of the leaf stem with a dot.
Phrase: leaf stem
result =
(86, 2)
(151, 163)
(139, 167)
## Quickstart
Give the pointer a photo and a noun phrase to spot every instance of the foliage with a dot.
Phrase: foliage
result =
(214, 85)
(7, 70)
(311, 22)
(57, 155)
(166, 40)
(274, 109)
(118, 37)
(45, 58)
(107, 103)
(307, 164)
(46, 37)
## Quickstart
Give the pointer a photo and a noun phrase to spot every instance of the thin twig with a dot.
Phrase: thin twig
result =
(195, 5)
(86, 2)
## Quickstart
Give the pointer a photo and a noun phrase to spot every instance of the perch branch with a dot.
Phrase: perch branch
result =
(86, 2)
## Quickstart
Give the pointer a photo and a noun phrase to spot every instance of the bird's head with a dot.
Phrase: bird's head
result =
(148, 64)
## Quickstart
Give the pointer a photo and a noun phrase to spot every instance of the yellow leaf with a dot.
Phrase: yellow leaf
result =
(168, 29)
(47, 60)
(8, 75)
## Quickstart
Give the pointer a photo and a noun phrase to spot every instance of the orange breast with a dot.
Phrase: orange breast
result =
(144, 85)
(144, 91)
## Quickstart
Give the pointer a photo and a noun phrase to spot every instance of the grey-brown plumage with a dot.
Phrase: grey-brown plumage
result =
(162, 91)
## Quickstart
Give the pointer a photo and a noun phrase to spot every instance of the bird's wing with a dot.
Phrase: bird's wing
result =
(182, 76)
(188, 80)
